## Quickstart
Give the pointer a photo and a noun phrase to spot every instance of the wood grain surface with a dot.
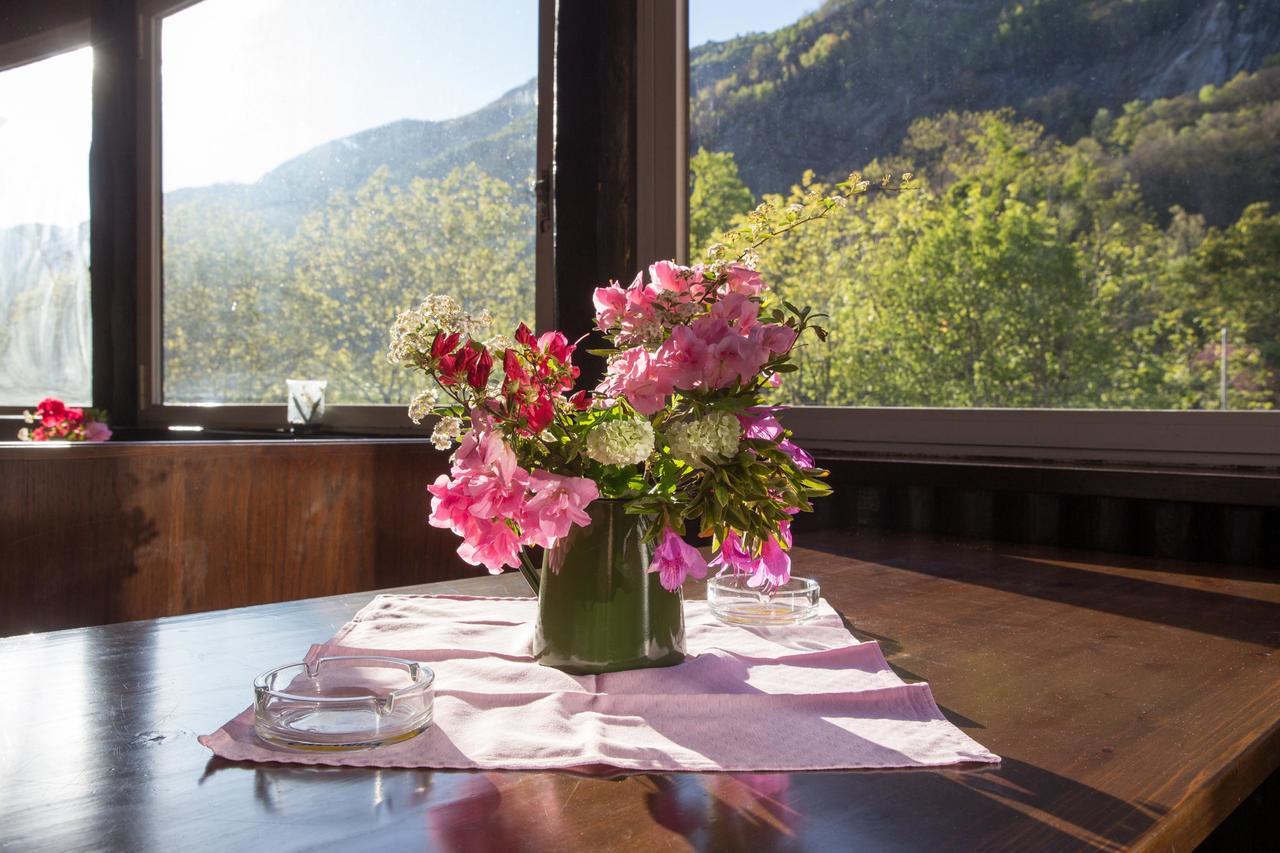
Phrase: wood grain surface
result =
(1134, 703)
(92, 535)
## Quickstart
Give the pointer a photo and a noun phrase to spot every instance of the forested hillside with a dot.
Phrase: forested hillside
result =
(841, 86)
(1090, 214)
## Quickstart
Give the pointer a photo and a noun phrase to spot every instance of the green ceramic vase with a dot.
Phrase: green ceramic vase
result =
(599, 608)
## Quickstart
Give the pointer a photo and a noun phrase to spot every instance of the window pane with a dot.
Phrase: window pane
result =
(327, 164)
(1091, 219)
(45, 120)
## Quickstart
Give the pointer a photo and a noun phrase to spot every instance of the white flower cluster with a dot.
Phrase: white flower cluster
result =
(422, 405)
(624, 442)
(414, 330)
(706, 440)
(446, 432)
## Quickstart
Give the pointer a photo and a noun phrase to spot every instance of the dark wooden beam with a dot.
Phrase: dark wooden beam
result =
(595, 140)
(113, 193)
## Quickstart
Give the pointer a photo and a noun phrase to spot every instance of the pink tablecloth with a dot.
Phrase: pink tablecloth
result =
(808, 697)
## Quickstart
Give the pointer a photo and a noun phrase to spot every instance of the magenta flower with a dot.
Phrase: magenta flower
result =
(773, 569)
(674, 560)
(798, 454)
(734, 556)
(760, 422)
(557, 504)
(770, 569)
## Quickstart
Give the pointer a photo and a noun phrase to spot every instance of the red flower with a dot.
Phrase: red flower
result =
(50, 411)
(478, 371)
(556, 345)
(581, 401)
(443, 344)
(538, 414)
(524, 336)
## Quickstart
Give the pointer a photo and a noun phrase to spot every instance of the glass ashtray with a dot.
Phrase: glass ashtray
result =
(340, 703)
(731, 600)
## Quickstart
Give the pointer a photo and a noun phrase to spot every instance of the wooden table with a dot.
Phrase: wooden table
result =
(1134, 705)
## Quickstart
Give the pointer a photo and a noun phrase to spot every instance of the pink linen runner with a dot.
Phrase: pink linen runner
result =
(808, 697)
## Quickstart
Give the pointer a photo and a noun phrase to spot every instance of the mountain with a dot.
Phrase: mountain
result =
(840, 87)
(500, 138)
(831, 93)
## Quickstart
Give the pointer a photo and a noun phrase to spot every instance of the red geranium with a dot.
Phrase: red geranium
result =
(58, 421)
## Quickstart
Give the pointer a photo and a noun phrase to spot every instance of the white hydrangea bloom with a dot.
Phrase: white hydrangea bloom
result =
(625, 442)
(706, 440)
(446, 432)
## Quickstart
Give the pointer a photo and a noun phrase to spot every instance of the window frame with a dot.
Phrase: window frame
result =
(153, 412)
(71, 34)
(1195, 438)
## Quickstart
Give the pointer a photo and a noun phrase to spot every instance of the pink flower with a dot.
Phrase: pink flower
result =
(684, 355)
(735, 359)
(611, 303)
(674, 560)
(738, 310)
(557, 504)
(667, 276)
(97, 431)
(774, 337)
(740, 279)
(484, 489)
(641, 378)
(710, 329)
(493, 545)
(630, 311)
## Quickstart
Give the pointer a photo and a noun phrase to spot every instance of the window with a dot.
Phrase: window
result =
(327, 165)
(1084, 234)
(45, 118)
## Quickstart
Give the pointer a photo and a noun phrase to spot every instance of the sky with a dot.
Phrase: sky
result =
(248, 84)
(45, 117)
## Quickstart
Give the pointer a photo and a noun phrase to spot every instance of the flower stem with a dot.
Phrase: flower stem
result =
(529, 571)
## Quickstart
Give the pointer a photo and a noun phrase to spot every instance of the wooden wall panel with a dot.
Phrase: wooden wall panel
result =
(1223, 517)
(91, 535)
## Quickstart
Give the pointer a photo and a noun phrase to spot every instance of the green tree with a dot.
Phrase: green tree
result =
(224, 327)
(716, 195)
(370, 254)
(1019, 275)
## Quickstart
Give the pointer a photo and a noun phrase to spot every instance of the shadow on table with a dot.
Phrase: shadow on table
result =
(1015, 805)
(1205, 611)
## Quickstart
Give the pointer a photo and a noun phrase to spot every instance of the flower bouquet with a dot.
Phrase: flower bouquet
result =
(676, 438)
(60, 422)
